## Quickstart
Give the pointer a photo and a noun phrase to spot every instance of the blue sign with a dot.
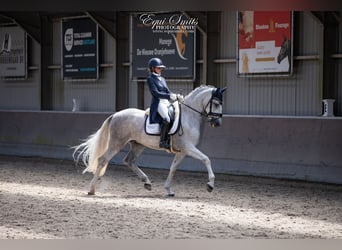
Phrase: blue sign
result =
(80, 49)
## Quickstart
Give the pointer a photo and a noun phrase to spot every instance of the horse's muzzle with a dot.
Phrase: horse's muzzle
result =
(215, 122)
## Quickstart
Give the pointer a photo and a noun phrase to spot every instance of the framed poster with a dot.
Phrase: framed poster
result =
(13, 52)
(79, 49)
(264, 43)
(169, 36)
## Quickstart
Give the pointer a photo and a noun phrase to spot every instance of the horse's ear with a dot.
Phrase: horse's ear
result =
(223, 89)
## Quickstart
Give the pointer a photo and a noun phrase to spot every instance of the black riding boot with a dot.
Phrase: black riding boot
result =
(164, 135)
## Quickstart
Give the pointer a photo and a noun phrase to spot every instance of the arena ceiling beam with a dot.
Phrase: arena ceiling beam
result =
(106, 21)
(28, 21)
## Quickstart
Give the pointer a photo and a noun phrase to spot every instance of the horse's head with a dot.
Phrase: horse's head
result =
(213, 108)
(284, 49)
(206, 101)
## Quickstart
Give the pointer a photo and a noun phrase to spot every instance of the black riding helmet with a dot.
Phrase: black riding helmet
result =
(155, 62)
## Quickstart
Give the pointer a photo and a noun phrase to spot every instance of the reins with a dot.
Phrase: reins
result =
(199, 112)
(212, 116)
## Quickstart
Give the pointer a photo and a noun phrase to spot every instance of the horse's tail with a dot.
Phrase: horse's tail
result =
(93, 147)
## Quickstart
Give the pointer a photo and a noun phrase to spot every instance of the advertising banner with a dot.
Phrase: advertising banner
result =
(264, 42)
(79, 49)
(169, 36)
(13, 59)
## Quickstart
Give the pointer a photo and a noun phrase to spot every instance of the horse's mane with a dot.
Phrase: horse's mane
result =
(198, 90)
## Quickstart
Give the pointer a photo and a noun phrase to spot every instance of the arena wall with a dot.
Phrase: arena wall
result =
(301, 148)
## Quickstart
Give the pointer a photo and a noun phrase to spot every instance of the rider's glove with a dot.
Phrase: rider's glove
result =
(180, 97)
(173, 97)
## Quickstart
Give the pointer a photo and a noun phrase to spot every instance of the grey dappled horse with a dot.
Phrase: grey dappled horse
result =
(127, 126)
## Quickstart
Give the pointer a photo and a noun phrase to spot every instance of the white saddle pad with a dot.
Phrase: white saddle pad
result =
(154, 128)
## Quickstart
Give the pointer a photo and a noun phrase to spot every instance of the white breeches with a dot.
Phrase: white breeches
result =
(163, 109)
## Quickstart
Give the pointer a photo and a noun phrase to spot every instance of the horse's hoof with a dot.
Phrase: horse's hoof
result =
(171, 195)
(209, 188)
(91, 193)
(148, 186)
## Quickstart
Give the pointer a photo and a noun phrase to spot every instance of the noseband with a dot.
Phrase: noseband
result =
(211, 113)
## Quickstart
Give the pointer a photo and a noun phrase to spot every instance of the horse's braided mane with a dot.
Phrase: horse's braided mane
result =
(199, 89)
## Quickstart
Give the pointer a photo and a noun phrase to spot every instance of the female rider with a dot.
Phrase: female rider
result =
(161, 96)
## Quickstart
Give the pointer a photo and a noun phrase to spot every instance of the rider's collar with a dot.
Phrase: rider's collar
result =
(154, 73)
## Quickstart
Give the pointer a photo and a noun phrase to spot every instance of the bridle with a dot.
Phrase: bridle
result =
(213, 117)
(209, 114)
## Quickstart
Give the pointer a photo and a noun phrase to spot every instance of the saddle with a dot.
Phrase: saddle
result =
(174, 114)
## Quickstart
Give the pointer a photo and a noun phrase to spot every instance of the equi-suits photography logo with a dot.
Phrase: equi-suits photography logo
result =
(169, 36)
(177, 25)
(173, 23)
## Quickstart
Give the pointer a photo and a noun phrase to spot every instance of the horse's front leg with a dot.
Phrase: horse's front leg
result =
(175, 163)
(195, 153)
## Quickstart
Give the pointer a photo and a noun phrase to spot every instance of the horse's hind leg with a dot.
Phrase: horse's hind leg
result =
(175, 163)
(130, 159)
(101, 168)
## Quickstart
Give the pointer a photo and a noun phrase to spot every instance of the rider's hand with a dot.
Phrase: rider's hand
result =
(173, 97)
(180, 97)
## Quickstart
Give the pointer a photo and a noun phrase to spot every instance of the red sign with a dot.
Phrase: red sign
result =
(272, 26)
(264, 42)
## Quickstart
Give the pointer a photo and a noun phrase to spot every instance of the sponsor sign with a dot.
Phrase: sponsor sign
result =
(264, 42)
(169, 36)
(13, 52)
(79, 49)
